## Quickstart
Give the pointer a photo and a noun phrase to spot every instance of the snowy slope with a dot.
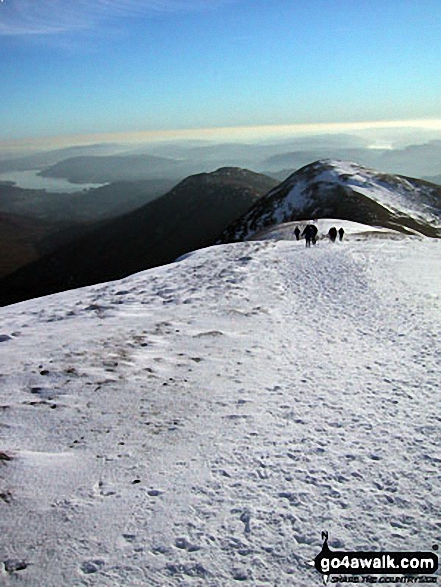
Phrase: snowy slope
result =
(352, 230)
(201, 423)
(392, 191)
(341, 189)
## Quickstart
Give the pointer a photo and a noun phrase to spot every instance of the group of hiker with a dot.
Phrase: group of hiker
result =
(310, 233)
(332, 233)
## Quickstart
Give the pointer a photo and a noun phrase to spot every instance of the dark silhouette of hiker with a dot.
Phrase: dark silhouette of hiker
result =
(297, 233)
(332, 234)
(340, 233)
(310, 234)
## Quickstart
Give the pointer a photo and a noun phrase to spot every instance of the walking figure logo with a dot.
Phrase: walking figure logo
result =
(325, 551)
(405, 564)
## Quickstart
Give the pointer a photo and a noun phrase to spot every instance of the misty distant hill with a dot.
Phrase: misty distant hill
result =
(190, 216)
(416, 160)
(105, 163)
(88, 206)
(117, 198)
(45, 158)
(419, 161)
(102, 169)
(35, 222)
(294, 160)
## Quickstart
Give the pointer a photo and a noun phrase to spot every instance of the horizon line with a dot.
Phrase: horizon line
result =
(213, 133)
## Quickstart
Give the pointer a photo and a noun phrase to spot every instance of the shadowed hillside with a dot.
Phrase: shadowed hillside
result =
(24, 239)
(88, 206)
(190, 216)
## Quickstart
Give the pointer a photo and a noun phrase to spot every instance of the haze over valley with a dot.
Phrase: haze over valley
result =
(220, 292)
(130, 175)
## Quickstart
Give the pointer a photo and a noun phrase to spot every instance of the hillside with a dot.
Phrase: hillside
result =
(87, 206)
(201, 423)
(117, 198)
(338, 189)
(34, 223)
(190, 216)
(24, 239)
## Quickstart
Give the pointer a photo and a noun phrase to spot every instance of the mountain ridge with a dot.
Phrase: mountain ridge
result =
(188, 217)
(338, 189)
(228, 205)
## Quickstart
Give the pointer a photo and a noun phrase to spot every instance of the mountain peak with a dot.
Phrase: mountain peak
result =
(344, 189)
(336, 168)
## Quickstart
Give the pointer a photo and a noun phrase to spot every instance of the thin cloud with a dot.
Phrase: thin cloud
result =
(418, 128)
(49, 17)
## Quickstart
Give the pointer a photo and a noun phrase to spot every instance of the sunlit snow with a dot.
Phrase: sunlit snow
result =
(202, 423)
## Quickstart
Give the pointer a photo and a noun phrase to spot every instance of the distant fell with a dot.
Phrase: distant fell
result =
(339, 189)
(189, 217)
(88, 206)
(105, 169)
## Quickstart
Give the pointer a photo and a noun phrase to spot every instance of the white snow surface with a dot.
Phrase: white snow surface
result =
(400, 196)
(201, 423)
(352, 230)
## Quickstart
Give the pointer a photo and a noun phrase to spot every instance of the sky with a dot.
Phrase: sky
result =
(107, 66)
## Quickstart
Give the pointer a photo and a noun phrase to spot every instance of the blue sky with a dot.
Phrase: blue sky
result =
(96, 66)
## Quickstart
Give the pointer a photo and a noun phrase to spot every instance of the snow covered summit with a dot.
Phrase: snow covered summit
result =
(339, 189)
(201, 423)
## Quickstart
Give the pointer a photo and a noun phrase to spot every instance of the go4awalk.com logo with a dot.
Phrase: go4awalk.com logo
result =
(408, 567)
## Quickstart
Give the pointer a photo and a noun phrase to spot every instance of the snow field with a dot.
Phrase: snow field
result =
(201, 423)
(394, 193)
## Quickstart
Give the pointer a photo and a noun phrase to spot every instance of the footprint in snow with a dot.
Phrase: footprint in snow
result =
(92, 566)
(185, 544)
(246, 519)
(14, 565)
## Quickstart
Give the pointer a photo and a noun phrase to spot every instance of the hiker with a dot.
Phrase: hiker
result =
(297, 233)
(340, 233)
(310, 233)
(332, 234)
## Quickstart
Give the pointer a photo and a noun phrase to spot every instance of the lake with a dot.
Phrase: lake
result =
(30, 180)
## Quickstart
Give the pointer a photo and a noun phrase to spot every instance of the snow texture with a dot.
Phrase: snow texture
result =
(393, 192)
(200, 424)
(357, 231)
(309, 188)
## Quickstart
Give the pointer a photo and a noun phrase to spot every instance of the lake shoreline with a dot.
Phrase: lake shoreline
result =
(31, 180)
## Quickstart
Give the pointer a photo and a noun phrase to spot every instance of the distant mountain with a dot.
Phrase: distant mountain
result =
(190, 216)
(104, 169)
(336, 189)
(45, 158)
(210, 155)
(417, 160)
(88, 206)
(296, 159)
(414, 160)
(280, 175)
